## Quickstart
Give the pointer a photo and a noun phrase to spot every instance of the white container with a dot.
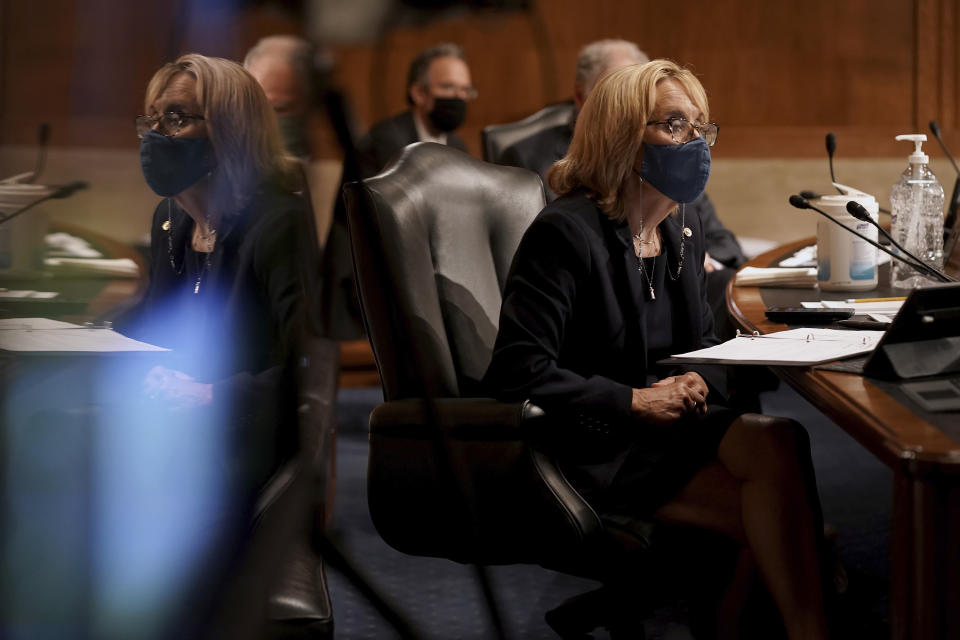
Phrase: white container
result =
(844, 261)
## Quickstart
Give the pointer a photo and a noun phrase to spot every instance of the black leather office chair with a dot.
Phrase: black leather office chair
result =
(280, 591)
(497, 137)
(460, 477)
(298, 604)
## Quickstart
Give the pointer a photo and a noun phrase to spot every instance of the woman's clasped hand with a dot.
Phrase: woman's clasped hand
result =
(671, 398)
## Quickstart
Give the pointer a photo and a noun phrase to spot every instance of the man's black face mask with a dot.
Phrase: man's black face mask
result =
(448, 113)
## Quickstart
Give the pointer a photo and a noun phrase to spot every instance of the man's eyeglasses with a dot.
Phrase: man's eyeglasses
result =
(168, 123)
(681, 130)
(450, 90)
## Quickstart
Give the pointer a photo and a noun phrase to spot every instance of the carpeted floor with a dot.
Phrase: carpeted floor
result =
(442, 599)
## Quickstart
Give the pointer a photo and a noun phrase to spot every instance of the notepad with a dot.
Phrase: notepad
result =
(42, 335)
(794, 347)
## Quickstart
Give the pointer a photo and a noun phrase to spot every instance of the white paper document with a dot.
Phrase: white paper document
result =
(805, 278)
(794, 347)
(108, 267)
(41, 335)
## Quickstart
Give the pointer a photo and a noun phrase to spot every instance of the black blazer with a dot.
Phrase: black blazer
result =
(241, 327)
(571, 334)
(387, 138)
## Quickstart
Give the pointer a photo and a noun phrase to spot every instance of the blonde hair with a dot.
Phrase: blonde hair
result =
(241, 126)
(609, 131)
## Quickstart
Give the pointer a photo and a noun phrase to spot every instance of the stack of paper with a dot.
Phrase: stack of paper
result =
(804, 257)
(53, 336)
(65, 245)
(777, 277)
(111, 268)
(23, 294)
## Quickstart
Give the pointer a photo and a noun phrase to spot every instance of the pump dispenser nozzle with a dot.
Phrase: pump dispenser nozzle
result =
(918, 156)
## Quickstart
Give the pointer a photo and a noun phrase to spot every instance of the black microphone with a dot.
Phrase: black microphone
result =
(831, 148)
(801, 203)
(63, 191)
(67, 190)
(43, 135)
(859, 212)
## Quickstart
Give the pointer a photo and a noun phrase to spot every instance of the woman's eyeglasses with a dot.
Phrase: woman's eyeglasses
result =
(682, 130)
(168, 123)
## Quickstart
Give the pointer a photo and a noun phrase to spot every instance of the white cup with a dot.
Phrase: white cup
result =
(844, 261)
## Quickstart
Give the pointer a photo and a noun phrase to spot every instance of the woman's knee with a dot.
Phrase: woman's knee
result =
(766, 445)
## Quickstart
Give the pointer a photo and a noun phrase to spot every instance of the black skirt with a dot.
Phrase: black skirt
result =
(649, 465)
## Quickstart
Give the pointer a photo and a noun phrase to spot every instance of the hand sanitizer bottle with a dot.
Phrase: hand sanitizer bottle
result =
(917, 217)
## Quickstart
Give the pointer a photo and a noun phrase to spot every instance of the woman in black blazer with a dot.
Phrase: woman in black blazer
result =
(608, 280)
(231, 263)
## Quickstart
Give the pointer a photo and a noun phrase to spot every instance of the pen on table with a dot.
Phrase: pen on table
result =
(894, 299)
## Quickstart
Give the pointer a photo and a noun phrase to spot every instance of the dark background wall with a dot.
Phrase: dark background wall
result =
(779, 74)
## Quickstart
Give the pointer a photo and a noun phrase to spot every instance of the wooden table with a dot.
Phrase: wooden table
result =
(925, 540)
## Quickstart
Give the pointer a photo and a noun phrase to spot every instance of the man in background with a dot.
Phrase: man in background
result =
(539, 151)
(283, 65)
(438, 90)
(285, 68)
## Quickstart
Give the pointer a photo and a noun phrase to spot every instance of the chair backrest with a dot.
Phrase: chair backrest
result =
(497, 137)
(433, 236)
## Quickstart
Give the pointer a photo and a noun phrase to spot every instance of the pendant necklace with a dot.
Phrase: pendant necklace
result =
(209, 239)
(641, 267)
(686, 233)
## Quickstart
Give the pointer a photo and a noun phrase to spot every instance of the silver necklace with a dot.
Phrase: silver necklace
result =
(640, 266)
(208, 239)
(201, 271)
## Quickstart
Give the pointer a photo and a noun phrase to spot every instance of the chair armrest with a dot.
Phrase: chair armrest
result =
(466, 419)
(481, 492)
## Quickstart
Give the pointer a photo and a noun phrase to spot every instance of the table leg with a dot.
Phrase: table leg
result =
(925, 558)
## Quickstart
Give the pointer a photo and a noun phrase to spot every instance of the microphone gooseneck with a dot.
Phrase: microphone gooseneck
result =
(859, 212)
(950, 222)
(802, 203)
(935, 130)
(67, 190)
(63, 191)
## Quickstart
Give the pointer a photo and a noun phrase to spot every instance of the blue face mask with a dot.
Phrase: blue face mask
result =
(171, 165)
(678, 171)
